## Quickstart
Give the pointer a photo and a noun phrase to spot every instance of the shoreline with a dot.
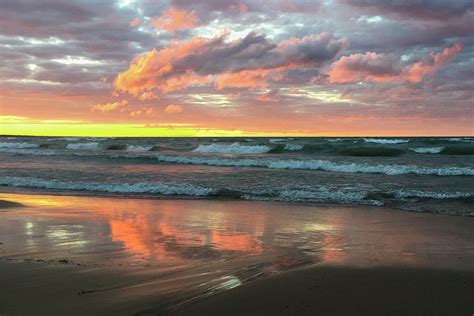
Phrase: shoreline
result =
(178, 197)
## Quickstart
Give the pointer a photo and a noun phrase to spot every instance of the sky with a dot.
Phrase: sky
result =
(237, 67)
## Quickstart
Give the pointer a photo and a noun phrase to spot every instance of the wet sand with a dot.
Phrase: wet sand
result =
(324, 290)
(89, 255)
(9, 204)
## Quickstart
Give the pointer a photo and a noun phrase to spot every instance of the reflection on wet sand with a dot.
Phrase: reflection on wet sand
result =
(190, 249)
(159, 233)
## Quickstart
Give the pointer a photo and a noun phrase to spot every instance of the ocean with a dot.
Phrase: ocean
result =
(428, 174)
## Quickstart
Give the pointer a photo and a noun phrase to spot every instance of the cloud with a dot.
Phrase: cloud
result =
(248, 62)
(173, 20)
(423, 9)
(135, 22)
(107, 107)
(417, 71)
(387, 67)
(173, 109)
(238, 7)
(145, 112)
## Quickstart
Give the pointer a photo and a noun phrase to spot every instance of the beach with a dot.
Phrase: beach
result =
(76, 255)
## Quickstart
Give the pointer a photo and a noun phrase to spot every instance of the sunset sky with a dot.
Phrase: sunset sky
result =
(236, 67)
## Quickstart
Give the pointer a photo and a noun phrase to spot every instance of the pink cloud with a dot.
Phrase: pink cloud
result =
(384, 68)
(250, 63)
(173, 20)
(135, 22)
(173, 109)
(419, 70)
(109, 106)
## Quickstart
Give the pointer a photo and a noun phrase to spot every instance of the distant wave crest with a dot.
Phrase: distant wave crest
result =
(325, 165)
(18, 145)
(139, 148)
(83, 146)
(385, 141)
(234, 148)
(427, 150)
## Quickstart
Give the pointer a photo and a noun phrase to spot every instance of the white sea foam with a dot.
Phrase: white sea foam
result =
(385, 141)
(18, 145)
(458, 139)
(293, 147)
(276, 140)
(323, 194)
(141, 187)
(428, 194)
(139, 148)
(235, 148)
(325, 165)
(427, 150)
(98, 139)
(83, 146)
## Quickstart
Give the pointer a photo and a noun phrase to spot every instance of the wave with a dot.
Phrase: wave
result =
(83, 146)
(371, 152)
(141, 187)
(18, 145)
(459, 139)
(427, 150)
(139, 148)
(430, 195)
(323, 194)
(335, 139)
(324, 165)
(276, 140)
(293, 147)
(458, 150)
(234, 148)
(385, 141)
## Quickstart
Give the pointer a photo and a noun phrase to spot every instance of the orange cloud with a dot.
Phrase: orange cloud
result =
(143, 112)
(146, 72)
(109, 106)
(249, 62)
(418, 71)
(173, 109)
(173, 20)
(363, 67)
(383, 68)
(244, 79)
(135, 22)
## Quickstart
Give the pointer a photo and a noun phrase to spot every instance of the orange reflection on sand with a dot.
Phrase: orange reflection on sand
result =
(131, 235)
(244, 243)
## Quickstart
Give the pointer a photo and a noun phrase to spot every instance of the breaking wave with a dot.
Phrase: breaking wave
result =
(427, 150)
(83, 146)
(325, 165)
(385, 141)
(323, 194)
(234, 148)
(293, 147)
(142, 187)
(139, 148)
(18, 145)
(430, 195)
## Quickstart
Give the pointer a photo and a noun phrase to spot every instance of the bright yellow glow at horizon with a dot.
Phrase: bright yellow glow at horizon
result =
(111, 130)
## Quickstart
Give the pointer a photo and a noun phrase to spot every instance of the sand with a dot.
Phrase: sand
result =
(70, 255)
(347, 291)
(9, 204)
